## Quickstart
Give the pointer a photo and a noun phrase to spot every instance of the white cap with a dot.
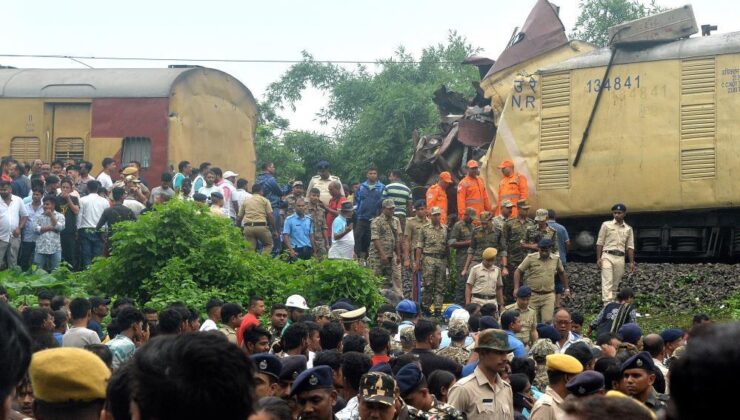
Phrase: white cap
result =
(229, 174)
(296, 301)
(460, 314)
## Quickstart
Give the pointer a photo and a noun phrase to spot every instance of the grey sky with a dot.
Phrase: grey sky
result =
(328, 29)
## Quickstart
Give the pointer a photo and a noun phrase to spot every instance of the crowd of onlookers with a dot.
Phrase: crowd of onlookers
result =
(92, 358)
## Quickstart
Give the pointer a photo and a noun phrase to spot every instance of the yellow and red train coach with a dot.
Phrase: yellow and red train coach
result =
(155, 116)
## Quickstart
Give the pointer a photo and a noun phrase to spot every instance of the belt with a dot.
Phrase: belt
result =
(617, 253)
(542, 293)
(482, 296)
(88, 229)
(434, 255)
(254, 224)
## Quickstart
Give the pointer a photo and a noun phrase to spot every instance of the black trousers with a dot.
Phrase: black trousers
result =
(70, 252)
(362, 237)
(303, 253)
(25, 255)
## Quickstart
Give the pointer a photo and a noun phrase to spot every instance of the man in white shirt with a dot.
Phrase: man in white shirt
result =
(227, 190)
(210, 186)
(241, 193)
(92, 207)
(13, 218)
(109, 167)
(79, 335)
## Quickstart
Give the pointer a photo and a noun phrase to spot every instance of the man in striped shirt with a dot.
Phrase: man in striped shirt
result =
(397, 191)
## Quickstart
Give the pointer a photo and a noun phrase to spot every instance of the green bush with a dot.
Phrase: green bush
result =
(179, 252)
(23, 287)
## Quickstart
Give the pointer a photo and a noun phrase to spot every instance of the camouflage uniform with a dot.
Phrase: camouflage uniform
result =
(291, 199)
(539, 351)
(387, 231)
(534, 235)
(443, 411)
(513, 236)
(462, 231)
(411, 234)
(456, 352)
(275, 344)
(482, 238)
(318, 216)
(433, 244)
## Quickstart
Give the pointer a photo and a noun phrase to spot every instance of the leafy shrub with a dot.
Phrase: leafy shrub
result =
(179, 252)
(23, 287)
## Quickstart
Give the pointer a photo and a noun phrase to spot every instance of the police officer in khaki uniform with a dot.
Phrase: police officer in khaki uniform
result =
(384, 252)
(323, 180)
(527, 314)
(484, 395)
(432, 246)
(255, 216)
(615, 239)
(561, 368)
(484, 283)
(460, 239)
(538, 271)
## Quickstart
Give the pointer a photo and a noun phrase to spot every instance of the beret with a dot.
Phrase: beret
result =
(420, 203)
(409, 378)
(487, 322)
(671, 335)
(67, 374)
(548, 331)
(563, 363)
(383, 368)
(523, 292)
(586, 383)
(319, 377)
(630, 333)
(490, 253)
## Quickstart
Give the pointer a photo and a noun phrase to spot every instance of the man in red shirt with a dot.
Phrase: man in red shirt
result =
(335, 203)
(254, 312)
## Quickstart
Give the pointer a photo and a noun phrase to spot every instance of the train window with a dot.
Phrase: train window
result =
(138, 149)
(69, 148)
(25, 149)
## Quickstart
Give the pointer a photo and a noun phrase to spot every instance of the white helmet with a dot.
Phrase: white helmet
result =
(296, 301)
(460, 314)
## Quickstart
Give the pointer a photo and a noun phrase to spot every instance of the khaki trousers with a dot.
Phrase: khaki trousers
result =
(544, 305)
(261, 234)
(612, 270)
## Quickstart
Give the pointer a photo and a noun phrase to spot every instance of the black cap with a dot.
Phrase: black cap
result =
(586, 383)
(319, 377)
(342, 305)
(217, 195)
(409, 378)
(200, 198)
(268, 364)
(619, 207)
(347, 206)
(641, 360)
(292, 367)
(545, 243)
(323, 165)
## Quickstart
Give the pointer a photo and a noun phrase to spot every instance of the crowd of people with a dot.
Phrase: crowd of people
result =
(60, 360)
(507, 348)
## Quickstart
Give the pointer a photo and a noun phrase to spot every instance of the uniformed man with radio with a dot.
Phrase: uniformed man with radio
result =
(615, 239)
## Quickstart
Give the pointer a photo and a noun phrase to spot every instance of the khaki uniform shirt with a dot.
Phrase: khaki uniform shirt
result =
(534, 235)
(482, 400)
(386, 231)
(539, 274)
(254, 210)
(513, 235)
(548, 406)
(229, 332)
(616, 237)
(485, 281)
(432, 240)
(323, 186)
(529, 322)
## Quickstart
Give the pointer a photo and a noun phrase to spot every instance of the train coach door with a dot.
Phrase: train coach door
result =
(71, 131)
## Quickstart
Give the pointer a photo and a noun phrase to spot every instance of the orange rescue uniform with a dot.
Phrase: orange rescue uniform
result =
(472, 193)
(437, 196)
(512, 188)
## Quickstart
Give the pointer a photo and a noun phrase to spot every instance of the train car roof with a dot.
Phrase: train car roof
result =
(90, 83)
(728, 43)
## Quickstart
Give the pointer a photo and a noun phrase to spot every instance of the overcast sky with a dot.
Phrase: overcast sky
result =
(272, 30)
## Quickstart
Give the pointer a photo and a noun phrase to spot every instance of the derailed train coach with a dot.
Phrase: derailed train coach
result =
(157, 117)
(653, 125)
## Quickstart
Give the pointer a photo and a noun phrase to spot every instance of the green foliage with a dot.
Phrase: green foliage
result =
(179, 252)
(23, 287)
(375, 113)
(597, 16)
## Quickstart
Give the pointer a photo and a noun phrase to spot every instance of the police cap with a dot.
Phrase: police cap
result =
(641, 360)
(619, 207)
(319, 377)
(586, 383)
(292, 367)
(409, 378)
(524, 292)
(268, 364)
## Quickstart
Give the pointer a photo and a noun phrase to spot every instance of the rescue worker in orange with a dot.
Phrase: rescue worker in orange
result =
(437, 195)
(471, 193)
(513, 187)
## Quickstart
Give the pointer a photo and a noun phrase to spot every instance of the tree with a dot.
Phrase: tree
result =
(375, 113)
(597, 16)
